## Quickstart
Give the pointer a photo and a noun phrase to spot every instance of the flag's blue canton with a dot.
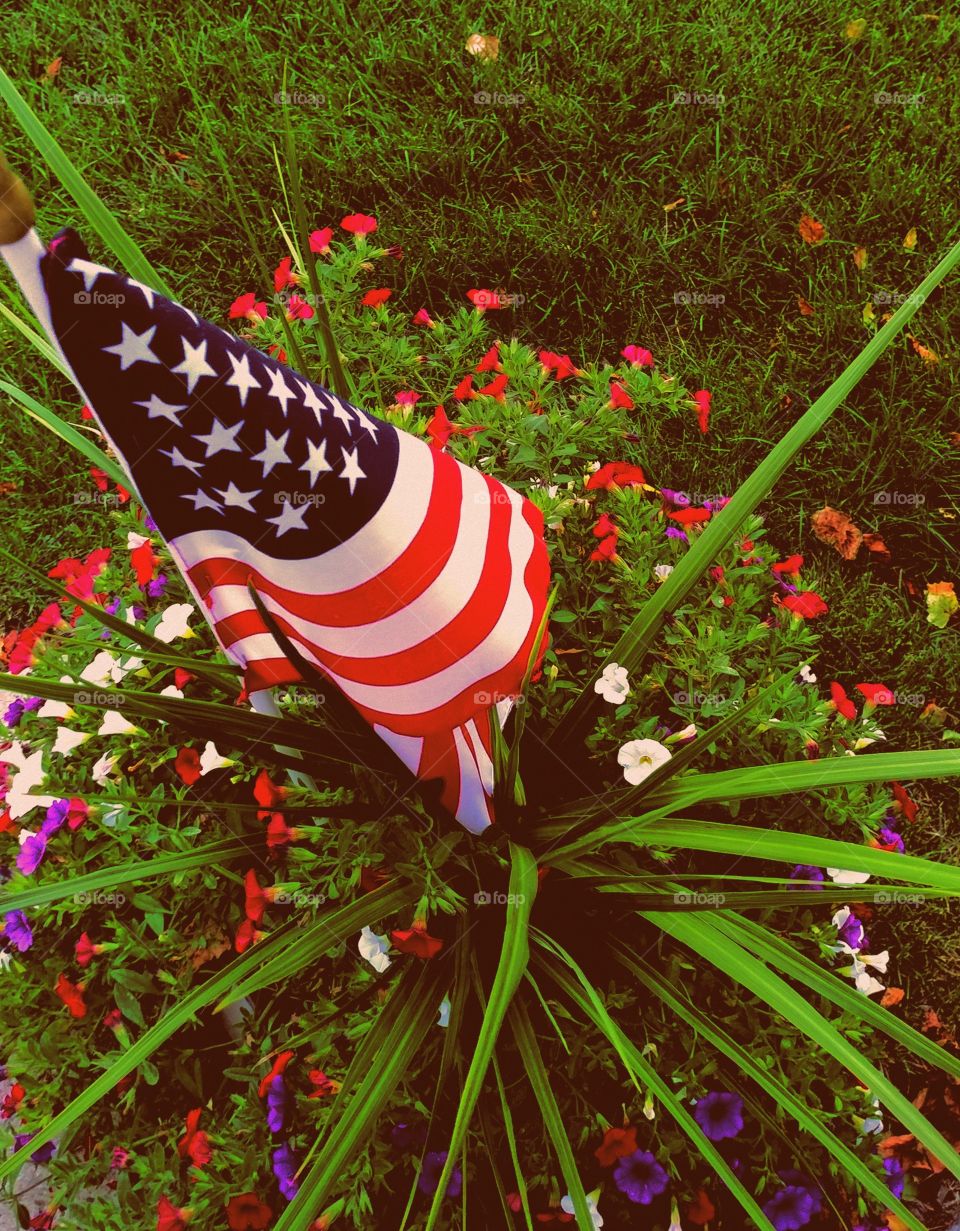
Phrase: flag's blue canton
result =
(216, 434)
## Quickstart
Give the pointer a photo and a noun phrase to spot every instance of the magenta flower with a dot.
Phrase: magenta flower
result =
(276, 1104)
(18, 930)
(32, 851)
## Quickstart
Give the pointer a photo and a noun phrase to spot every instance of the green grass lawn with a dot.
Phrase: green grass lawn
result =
(547, 173)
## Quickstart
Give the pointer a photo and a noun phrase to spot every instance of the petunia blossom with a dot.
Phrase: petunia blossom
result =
(373, 949)
(639, 356)
(617, 1142)
(640, 1177)
(174, 623)
(246, 1212)
(416, 941)
(359, 224)
(640, 757)
(613, 685)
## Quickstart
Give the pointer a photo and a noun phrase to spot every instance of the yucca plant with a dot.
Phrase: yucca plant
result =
(626, 939)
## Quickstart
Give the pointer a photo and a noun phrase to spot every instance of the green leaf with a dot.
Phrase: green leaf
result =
(529, 1049)
(514, 955)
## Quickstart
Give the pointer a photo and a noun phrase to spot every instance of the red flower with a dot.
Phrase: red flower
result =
(373, 878)
(181, 677)
(170, 1218)
(490, 361)
(85, 950)
(639, 356)
(464, 390)
(187, 765)
(607, 549)
(703, 399)
(247, 935)
(279, 1064)
(482, 300)
(690, 516)
(495, 388)
(561, 365)
(844, 706)
(423, 317)
(281, 354)
(617, 1143)
(619, 398)
(359, 224)
(255, 899)
(877, 694)
(142, 561)
(605, 526)
(283, 276)
(78, 813)
(246, 307)
(320, 240)
(616, 474)
(808, 604)
(112, 1019)
(195, 1142)
(417, 941)
(322, 1084)
(248, 1213)
(439, 429)
(376, 299)
(907, 806)
(299, 310)
(267, 793)
(12, 1100)
(279, 832)
(789, 567)
(72, 996)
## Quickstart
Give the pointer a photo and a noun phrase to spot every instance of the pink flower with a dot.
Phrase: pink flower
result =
(703, 398)
(298, 309)
(320, 240)
(482, 300)
(424, 318)
(359, 224)
(639, 356)
(283, 277)
(247, 308)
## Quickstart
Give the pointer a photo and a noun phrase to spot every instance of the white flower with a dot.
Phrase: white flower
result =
(103, 768)
(211, 759)
(865, 741)
(566, 1205)
(114, 723)
(55, 709)
(172, 690)
(675, 1224)
(807, 675)
(841, 876)
(662, 571)
(688, 732)
(613, 685)
(870, 1125)
(867, 984)
(640, 757)
(373, 949)
(5, 959)
(20, 798)
(103, 670)
(175, 623)
(135, 540)
(67, 740)
(444, 1019)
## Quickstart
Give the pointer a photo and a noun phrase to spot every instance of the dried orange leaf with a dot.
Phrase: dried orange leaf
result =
(892, 996)
(837, 530)
(894, 1222)
(806, 308)
(926, 354)
(483, 46)
(875, 544)
(890, 1143)
(860, 257)
(53, 68)
(668, 209)
(910, 239)
(811, 231)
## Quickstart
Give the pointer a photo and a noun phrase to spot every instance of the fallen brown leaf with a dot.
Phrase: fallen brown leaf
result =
(483, 46)
(926, 354)
(806, 308)
(892, 996)
(811, 231)
(837, 530)
(860, 257)
(894, 1222)
(889, 1144)
(7, 488)
(53, 68)
(875, 544)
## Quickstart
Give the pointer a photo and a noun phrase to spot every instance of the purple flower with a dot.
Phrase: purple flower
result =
(156, 587)
(804, 1181)
(42, 1154)
(679, 499)
(673, 533)
(407, 1137)
(894, 1170)
(431, 1171)
(148, 522)
(18, 930)
(852, 933)
(56, 815)
(276, 1104)
(285, 1169)
(890, 837)
(791, 1208)
(640, 1177)
(18, 707)
(32, 851)
(719, 1114)
(807, 872)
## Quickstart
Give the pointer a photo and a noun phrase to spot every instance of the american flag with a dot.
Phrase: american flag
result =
(415, 583)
